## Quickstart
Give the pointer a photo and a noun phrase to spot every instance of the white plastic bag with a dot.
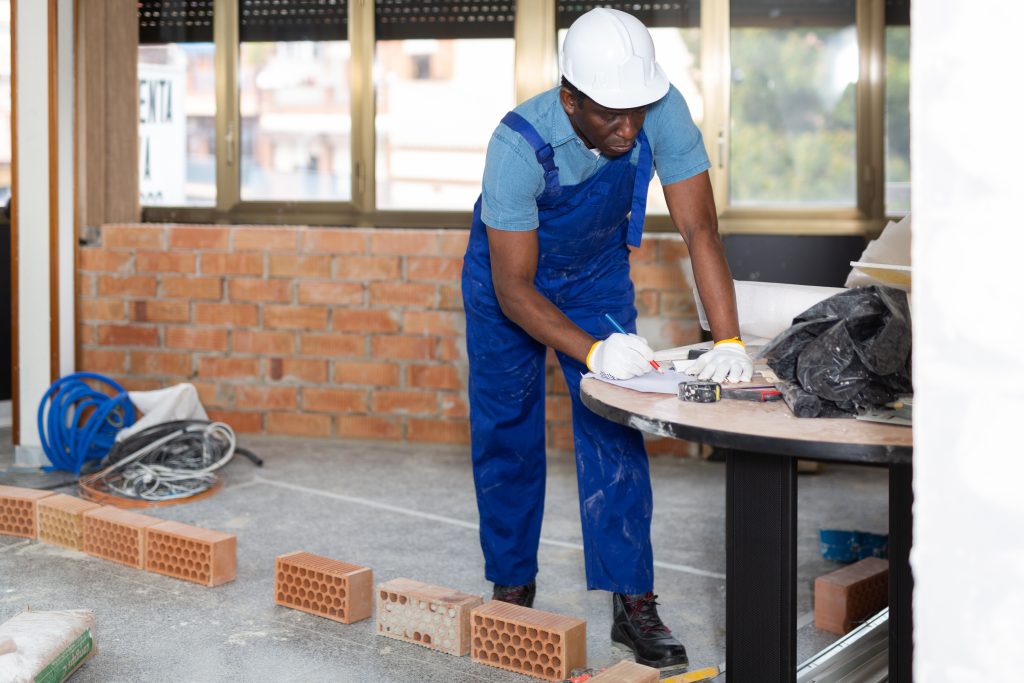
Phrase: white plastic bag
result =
(178, 402)
(48, 646)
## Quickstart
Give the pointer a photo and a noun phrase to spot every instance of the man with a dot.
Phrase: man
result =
(564, 193)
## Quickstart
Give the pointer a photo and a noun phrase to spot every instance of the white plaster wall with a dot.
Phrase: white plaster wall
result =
(66, 180)
(968, 207)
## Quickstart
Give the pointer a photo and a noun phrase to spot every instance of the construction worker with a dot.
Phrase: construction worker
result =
(564, 193)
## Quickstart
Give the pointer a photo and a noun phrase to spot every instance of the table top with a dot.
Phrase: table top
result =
(751, 426)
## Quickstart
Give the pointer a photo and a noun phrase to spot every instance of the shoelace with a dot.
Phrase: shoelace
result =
(643, 612)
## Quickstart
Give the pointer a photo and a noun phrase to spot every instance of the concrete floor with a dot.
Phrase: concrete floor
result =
(405, 511)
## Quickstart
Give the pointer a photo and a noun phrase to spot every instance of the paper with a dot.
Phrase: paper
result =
(651, 383)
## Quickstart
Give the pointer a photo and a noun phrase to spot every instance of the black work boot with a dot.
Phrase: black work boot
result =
(636, 624)
(517, 595)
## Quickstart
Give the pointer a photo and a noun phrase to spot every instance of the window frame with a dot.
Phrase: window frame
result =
(536, 69)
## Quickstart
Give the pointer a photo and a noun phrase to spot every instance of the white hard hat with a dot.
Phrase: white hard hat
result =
(609, 56)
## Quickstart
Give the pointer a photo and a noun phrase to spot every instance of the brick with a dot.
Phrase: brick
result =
(843, 599)
(419, 242)
(103, 260)
(295, 317)
(332, 344)
(647, 302)
(165, 262)
(438, 431)
(191, 287)
(678, 305)
(298, 424)
(128, 285)
(255, 289)
(648, 251)
(290, 265)
(451, 349)
(431, 616)
(131, 383)
(60, 520)
(103, 309)
(365, 321)
(128, 335)
(313, 371)
(133, 237)
(453, 242)
(434, 269)
(335, 241)
(266, 239)
(86, 335)
(205, 237)
(85, 285)
(231, 264)
(558, 408)
(451, 298)
(332, 293)
(405, 402)
(362, 268)
(324, 587)
(117, 535)
(673, 250)
(368, 373)
(103, 361)
(18, 510)
(528, 641)
(159, 311)
(440, 323)
(369, 427)
(187, 552)
(560, 437)
(403, 294)
(178, 365)
(210, 393)
(229, 368)
(453, 405)
(402, 347)
(240, 421)
(657, 276)
(627, 672)
(232, 315)
(334, 400)
(250, 341)
(196, 338)
(434, 376)
(266, 398)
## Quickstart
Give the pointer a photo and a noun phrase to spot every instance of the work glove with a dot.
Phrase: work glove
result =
(620, 356)
(727, 362)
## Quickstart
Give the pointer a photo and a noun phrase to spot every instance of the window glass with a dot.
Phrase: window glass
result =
(177, 104)
(675, 28)
(5, 102)
(793, 104)
(897, 107)
(444, 78)
(294, 101)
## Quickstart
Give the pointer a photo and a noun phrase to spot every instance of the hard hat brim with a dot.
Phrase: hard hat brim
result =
(638, 96)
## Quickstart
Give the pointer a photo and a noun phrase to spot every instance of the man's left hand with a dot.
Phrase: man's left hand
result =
(727, 362)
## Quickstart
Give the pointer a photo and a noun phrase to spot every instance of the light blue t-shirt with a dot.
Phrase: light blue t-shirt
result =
(513, 178)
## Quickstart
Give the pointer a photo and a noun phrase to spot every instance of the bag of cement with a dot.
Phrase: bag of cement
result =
(46, 647)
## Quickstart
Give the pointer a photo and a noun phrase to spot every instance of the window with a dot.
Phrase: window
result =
(675, 28)
(897, 107)
(445, 76)
(793, 104)
(177, 160)
(5, 102)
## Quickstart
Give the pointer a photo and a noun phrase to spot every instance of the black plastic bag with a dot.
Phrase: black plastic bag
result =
(851, 352)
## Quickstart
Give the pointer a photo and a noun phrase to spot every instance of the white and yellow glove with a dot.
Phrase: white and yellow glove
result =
(726, 362)
(620, 356)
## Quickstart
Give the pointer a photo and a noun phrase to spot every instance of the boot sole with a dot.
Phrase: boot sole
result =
(672, 666)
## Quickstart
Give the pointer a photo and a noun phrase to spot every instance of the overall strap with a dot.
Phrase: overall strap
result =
(545, 154)
(641, 184)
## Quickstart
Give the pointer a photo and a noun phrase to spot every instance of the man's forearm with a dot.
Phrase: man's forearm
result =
(714, 282)
(542, 320)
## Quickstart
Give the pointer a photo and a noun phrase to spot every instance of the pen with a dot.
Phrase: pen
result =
(618, 327)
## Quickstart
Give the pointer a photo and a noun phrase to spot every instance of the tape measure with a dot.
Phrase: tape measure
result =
(703, 391)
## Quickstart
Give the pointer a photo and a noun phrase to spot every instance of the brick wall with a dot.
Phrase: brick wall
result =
(327, 332)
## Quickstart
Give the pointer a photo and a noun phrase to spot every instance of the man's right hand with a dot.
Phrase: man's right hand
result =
(620, 356)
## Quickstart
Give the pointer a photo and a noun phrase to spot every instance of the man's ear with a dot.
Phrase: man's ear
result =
(568, 102)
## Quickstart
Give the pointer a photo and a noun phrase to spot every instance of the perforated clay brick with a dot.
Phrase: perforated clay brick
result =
(528, 641)
(324, 587)
(60, 520)
(627, 672)
(427, 615)
(118, 535)
(18, 510)
(191, 553)
(848, 596)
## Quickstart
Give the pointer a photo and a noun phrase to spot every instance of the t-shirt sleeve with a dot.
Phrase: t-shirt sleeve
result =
(513, 179)
(676, 141)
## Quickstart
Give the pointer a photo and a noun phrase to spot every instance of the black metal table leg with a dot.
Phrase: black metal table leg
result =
(901, 580)
(760, 584)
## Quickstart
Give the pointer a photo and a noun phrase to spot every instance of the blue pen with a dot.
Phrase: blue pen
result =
(618, 327)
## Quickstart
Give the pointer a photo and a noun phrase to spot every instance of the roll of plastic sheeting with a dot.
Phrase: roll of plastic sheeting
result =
(767, 308)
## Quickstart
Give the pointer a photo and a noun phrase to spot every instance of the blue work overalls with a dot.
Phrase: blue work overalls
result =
(583, 269)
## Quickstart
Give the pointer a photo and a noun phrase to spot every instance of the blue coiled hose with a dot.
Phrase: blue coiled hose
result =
(78, 423)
